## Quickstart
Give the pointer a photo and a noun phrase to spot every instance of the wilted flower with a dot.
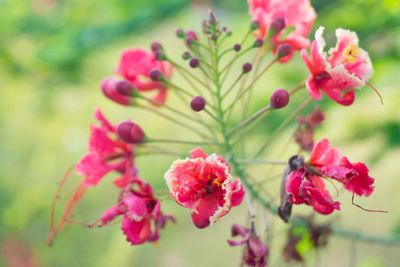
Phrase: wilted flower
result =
(142, 218)
(304, 132)
(306, 185)
(347, 67)
(295, 19)
(204, 184)
(255, 253)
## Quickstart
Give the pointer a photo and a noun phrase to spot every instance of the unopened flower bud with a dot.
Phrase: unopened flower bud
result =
(283, 50)
(258, 42)
(214, 37)
(180, 33)
(213, 19)
(194, 62)
(277, 25)
(224, 28)
(159, 55)
(125, 88)
(247, 67)
(155, 75)
(280, 98)
(186, 55)
(254, 24)
(130, 132)
(198, 103)
(237, 47)
(109, 88)
(191, 36)
(228, 32)
(155, 46)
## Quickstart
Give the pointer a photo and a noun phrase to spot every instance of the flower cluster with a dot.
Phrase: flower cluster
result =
(210, 185)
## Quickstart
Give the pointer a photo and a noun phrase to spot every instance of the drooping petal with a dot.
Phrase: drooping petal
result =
(204, 209)
(111, 213)
(136, 232)
(360, 182)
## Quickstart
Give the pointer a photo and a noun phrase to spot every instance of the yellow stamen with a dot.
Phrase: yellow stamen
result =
(351, 52)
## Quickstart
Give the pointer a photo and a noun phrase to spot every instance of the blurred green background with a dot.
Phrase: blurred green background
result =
(53, 54)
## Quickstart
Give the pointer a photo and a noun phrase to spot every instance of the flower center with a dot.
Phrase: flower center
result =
(321, 77)
(350, 53)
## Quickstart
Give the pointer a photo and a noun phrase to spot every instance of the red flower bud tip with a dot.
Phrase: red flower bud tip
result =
(277, 25)
(186, 55)
(125, 88)
(155, 46)
(130, 132)
(283, 50)
(155, 75)
(194, 62)
(180, 33)
(247, 67)
(237, 47)
(159, 55)
(254, 24)
(198, 103)
(214, 37)
(258, 42)
(213, 19)
(191, 34)
(280, 98)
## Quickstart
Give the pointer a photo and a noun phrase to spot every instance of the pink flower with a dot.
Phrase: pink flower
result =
(204, 184)
(306, 185)
(135, 65)
(298, 17)
(347, 67)
(256, 252)
(142, 218)
(106, 153)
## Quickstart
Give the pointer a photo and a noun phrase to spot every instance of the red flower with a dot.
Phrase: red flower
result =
(298, 17)
(109, 88)
(306, 185)
(106, 153)
(347, 67)
(135, 65)
(204, 184)
(142, 218)
(256, 252)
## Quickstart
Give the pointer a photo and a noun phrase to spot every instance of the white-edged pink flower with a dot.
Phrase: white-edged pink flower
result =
(204, 184)
(347, 67)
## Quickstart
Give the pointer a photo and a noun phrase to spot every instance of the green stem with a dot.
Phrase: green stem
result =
(250, 119)
(258, 161)
(181, 142)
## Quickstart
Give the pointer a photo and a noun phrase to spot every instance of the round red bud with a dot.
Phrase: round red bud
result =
(198, 103)
(279, 99)
(130, 132)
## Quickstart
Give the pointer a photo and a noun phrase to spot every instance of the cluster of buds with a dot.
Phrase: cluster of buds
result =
(211, 184)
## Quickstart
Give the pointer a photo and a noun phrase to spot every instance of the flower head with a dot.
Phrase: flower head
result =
(295, 19)
(135, 65)
(204, 184)
(141, 215)
(347, 67)
(256, 252)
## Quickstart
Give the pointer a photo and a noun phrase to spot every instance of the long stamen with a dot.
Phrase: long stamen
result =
(358, 206)
(376, 91)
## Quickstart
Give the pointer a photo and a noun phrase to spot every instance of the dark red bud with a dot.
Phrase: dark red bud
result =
(186, 55)
(198, 103)
(247, 67)
(277, 24)
(280, 98)
(194, 62)
(214, 37)
(258, 42)
(125, 88)
(237, 47)
(155, 46)
(159, 55)
(283, 50)
(155, 75)
(130, 132)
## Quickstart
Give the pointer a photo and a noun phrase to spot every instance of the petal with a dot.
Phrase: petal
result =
(293, 184)
(198, 153)
(136, 232)
(205, 208)
(98, 115)
(110, 214)
(238, 193)
(313, 90)
(93, 168)
(319, 150)
(360, 183)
